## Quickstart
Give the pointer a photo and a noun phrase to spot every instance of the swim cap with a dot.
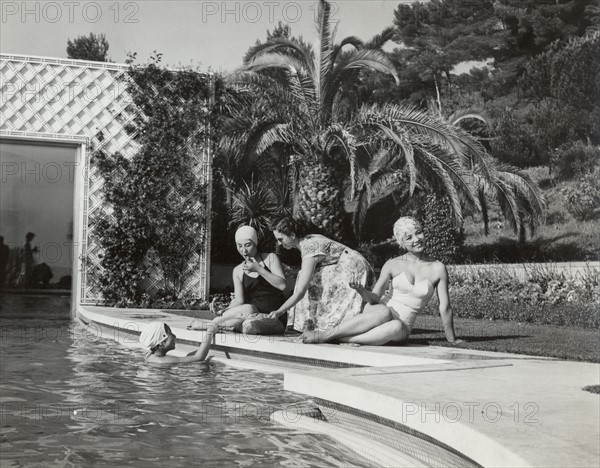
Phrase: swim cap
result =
(246, 233)
(154, 334)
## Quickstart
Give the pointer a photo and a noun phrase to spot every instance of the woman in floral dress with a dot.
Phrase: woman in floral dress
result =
(322, 297)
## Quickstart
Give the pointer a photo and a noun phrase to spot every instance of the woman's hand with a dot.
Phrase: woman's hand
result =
(276, 314)
(251, 265)
(368, 296)
(357, 286)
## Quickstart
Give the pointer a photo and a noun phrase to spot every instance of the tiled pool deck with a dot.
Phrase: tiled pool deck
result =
(497, 409)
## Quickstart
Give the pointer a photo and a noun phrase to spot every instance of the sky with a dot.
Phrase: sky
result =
(210, 34)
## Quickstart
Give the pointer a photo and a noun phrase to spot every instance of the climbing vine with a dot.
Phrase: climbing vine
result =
(157, 199)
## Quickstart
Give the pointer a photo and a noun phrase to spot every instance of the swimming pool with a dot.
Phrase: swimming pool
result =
(69, 398)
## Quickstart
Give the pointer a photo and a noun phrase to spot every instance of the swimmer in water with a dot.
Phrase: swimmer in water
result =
(158, 339)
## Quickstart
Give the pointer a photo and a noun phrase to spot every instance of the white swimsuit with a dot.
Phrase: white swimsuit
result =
(408, 299)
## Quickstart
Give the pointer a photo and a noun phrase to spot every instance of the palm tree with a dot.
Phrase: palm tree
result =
(330, 145)
(519, 198)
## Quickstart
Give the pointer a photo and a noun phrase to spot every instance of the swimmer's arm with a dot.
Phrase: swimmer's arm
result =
(199, 355)
(444, 308)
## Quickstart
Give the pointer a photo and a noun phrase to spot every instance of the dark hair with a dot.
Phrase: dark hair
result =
(29, 235)
(288, 226)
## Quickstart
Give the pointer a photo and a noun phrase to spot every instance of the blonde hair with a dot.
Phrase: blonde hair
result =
(402, 226)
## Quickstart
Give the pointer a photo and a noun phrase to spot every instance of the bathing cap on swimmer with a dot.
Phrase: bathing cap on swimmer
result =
(246, 233)
(153, 335)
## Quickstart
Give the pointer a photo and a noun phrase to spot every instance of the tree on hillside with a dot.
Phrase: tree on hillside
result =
(93, 47)
(377, 147)
(563, 84)
(443, 33)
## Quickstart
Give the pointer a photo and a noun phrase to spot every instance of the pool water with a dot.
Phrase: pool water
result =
(68, 398)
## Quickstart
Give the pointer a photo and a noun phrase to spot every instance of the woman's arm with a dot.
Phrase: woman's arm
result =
(238, 287)
(275, 277)
(307, 270)
(374, 297)
(199, 355)
(445, 310)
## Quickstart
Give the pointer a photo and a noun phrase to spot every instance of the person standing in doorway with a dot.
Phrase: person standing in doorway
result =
(26, 261)
(4, 253)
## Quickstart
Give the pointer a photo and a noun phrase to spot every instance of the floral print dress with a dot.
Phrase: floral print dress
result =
(329, 298)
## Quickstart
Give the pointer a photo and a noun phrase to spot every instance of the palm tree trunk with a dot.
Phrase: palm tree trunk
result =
(320, 200)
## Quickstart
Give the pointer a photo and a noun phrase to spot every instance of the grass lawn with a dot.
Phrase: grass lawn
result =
(574, 344)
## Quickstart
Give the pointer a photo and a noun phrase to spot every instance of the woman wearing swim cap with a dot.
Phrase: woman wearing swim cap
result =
(258, 284)
(158, 339)
(413, 278)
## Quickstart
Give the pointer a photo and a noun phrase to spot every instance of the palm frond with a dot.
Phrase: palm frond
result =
(350, 40)
(433, 165)
(276, 60)
(439, 132)
(325, 61)
(253, 205)
(284, 45)
(303, 89)
(407, 152)
(528, 193)
(349, 63)
(380, 39)
(269, 135)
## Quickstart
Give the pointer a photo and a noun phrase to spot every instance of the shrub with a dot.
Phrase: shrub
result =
(442, 238)
(583, 199)
(548, 297)
(575, 159)
(479, 304)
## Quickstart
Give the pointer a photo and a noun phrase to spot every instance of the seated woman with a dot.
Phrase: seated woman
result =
(322, 297)
(158, 338)
(414, 277)
(258, 284)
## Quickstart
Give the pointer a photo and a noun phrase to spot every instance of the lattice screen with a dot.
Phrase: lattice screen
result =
(61, 99)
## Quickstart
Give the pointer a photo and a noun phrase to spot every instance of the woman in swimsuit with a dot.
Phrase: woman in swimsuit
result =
(158, 339)
(258, 284)
(414, 277)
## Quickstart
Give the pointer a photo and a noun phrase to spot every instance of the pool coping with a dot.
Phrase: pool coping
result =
(387, 381)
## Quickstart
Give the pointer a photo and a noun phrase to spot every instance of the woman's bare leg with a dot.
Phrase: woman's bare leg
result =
(393, 331)
(372, 317)
(231, 318)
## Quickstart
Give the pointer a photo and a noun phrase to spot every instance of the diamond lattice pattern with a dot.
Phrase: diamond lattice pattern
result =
(56, 98)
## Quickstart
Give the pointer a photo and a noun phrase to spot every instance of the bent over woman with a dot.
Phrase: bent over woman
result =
(322, 297)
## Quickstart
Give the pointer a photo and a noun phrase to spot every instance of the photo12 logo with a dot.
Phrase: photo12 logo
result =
(254, 12)
(69, 12)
